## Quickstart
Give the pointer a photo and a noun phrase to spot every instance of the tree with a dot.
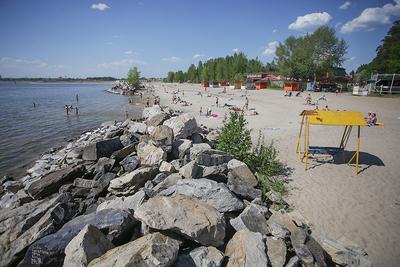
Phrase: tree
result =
(134, 77)
(170, 77)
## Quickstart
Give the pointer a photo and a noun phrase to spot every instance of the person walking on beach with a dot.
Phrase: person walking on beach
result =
(77, 99)
(201, 111)
(216, 101)
(66, 109)
(148, 102)
(76, 110)
(246, 105)
(34, 104)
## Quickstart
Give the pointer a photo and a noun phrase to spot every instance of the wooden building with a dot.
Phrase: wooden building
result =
(205, 84)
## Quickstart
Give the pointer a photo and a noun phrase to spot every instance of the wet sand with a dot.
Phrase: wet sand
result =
(336, 202)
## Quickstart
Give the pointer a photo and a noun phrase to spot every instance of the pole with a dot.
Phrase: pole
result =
(307, 141)
(298, 139)
(358, 149)
(391, 85)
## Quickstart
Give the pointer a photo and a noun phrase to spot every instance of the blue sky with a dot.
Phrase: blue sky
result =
(80, 38)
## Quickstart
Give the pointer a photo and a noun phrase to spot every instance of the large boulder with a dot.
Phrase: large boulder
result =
(201, 257)
(242, 189)
(157, 119)
(22, 226)
(163, 136)
(138, 127)
(150, 155)
(130, 163)
(190, 170)
(251, 219)
(210, 192)
(51, 182)
(151, 111)
(124, 203)
(240, 171)
(183, 125)
(89, 244)
(130, 183)
(100, 149)
(197, 149)
(276, 251)
(246, 249)
(186, 216)
(49, 251)
(150, 250)
(168, 182)
(181, 147)
(212, 157)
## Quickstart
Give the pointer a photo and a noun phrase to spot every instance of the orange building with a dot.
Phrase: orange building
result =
(262, 84)
(291, 86)
(205, 84)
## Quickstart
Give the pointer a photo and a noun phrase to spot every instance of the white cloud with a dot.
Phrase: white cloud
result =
(310, 21)
(338, 24)
(17, 67)
(274, 30)
(129, 52)
(197, 56)
(123, 62)
(18, 62)
(100, 6)
(371, 17)
(270, 49)
(352, 58)
(345, 5)
(209, 58)
(235, 50)
(171, 59)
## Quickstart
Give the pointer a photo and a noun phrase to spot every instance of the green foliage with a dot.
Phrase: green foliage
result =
(316, 53)
(170, 77)
(134, 77)
(234, 137)
(272, 183)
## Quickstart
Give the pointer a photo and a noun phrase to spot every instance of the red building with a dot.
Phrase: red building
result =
(205, 84)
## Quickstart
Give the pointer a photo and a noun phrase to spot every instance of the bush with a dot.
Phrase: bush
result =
(234, 137)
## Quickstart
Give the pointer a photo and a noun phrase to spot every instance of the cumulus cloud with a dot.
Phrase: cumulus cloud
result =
(235, 50)
(352, 58)
(310, 21)
(19, 67)
(197, 56)
(129, 52)
(119, 63)
(100, 6)
(372, 17)
(274, 30)
(345, 5)
(171, 59)
(18, 61)
(270, 49)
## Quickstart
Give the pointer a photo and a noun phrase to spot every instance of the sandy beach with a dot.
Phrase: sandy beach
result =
(335, 202)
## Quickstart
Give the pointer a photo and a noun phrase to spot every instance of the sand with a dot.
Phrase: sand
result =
(336, 202)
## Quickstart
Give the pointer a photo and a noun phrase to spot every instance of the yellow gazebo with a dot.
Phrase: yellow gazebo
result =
(330, 118)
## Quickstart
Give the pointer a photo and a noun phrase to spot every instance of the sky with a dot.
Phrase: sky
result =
(86, 38)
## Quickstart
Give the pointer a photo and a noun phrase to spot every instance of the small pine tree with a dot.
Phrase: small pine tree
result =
(234, 137)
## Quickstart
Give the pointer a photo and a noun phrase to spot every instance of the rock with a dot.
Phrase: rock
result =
(240, 170)
(344, 255)
(150, 155)
(130, 163)
(159, 178)
(114, 133)
(29, 223)
(124, 152)
(163, 136)
(201, 257)
(278, 230)
(183, 125)
(103, 165)
(157, 119)
(151, 111)
(276, 251)
(128, 139)
(177, 163)
(274, 197)
(317, 251)
(280, 217)
(169, 181)
(166, 167)
(89, 244)
(197, 138)
(101, 184)
(186, 216)
(246, 249)
(124, 203)
(210, 192)
(131, 182)
(293, 262)
(150, 250)
(212, 136)
(12, 186)
(212, 157)
(197, 148)
(242, 189)
(84, 183)
(190, 170)
(101, 149)
(107, 124)
(138, 127)
(298, 239)
(51, 182)
(49, 251)
(252, 220)
(181, 147)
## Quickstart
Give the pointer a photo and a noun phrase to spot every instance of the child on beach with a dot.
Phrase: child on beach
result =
(216, 101)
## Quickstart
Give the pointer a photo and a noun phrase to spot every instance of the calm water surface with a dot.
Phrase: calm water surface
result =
(26, 132)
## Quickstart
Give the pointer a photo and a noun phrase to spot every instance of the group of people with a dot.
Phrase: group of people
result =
(69, 108)
(371, 119)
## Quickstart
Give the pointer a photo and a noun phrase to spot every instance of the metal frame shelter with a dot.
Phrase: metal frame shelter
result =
(348, 119)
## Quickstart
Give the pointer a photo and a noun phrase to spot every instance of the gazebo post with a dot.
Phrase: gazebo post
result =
(298, 139)
(358, 149)
(307, 141)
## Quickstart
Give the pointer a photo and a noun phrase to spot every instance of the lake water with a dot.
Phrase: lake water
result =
(27, 131)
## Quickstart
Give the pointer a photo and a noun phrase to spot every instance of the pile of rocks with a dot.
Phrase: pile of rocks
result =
(152, 193)
(122, 88)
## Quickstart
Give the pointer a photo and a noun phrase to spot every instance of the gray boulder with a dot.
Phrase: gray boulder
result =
(130, 163)
(201, 257)
(151, 111)
(51, 182)
(240, 171)
(157, 119)
(163, 136)
(167, 167)
(242, 189)
(124, 203)
(150, 250)
(150, 155)
(251, 219)
(186, 216)
(137, 127)
(128, 139)
(168, 182)
(212, 157)
(197, 148)
(87, 245)
(100, 149)
(181, 147)
(12, 186)
(190, 170)
(130, 183)
(83, 183)
(210, 192)
(246, 249)
(124, 152)
(183, 125)
(276, 251)
(49, 251)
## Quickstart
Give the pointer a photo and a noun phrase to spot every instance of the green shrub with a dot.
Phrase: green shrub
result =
(234, 137)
